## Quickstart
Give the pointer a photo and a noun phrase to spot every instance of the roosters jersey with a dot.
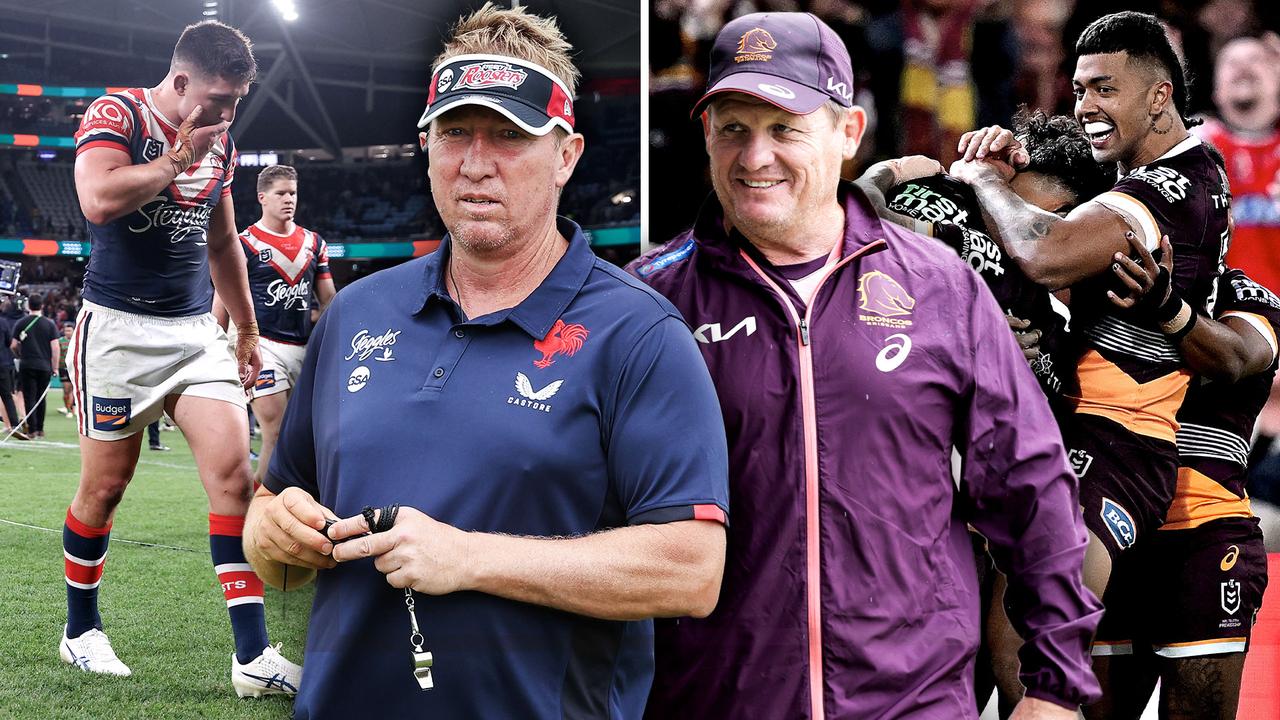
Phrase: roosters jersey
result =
(154, 260)
(1217, 418)
(1130, 372)
(956, 219)
(283, 270)
(1252, 165)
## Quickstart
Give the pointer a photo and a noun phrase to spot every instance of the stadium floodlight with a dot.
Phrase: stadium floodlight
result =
(288, 10)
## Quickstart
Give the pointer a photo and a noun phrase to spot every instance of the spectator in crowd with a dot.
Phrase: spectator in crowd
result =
(8, 376)
(35, 337)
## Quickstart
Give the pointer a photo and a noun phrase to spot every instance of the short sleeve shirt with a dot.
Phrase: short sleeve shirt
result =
(586, 407)
(154, 260)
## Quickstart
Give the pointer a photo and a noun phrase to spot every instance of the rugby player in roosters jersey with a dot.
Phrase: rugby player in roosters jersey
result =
(287, 264)
(1182, 605)
(153, 173)
(1130, 95)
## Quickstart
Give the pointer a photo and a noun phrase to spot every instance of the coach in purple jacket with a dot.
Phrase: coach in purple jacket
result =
(850, 357)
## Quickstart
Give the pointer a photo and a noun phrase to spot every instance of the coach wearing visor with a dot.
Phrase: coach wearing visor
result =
(536, 429)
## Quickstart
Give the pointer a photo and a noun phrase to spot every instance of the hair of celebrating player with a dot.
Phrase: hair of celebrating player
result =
(514, 33)
(274, 173)
(215, 49)
(1059, 148)
(1145, 40)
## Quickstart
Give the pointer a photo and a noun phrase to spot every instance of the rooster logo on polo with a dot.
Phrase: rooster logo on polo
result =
(885, 300)
(566, 339)
(490, 74)
(111, 413)
(756, 45)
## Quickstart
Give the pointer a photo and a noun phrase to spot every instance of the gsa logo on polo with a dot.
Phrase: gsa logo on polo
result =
(111, 413)
(1119, 523)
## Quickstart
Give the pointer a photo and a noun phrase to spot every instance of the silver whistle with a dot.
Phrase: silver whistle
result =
(422, 669)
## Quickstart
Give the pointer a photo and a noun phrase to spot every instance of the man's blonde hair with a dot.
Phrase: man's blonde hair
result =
(515, 33)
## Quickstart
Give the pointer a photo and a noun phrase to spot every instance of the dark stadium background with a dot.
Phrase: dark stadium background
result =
(339, 92)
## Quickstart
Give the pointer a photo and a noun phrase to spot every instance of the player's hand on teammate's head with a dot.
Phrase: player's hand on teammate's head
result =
(1028, 338)
(914, 167)
(993, 142)
(1141, 276)
(975, 171)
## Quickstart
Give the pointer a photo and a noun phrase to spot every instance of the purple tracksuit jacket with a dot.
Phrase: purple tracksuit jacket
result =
(850, 589)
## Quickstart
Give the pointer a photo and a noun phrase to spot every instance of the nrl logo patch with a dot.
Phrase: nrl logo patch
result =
(1230, 594)
(264, 255)
(151, 150)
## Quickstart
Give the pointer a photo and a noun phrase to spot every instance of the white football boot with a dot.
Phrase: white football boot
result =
(92, 652)
(268, 674)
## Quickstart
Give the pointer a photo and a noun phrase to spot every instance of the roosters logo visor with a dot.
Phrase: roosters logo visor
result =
(528, 94)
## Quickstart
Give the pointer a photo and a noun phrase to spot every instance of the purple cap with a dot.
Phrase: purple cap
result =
(790, 59)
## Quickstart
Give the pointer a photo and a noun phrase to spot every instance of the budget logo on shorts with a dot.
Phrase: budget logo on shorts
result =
(1230, 593)
(1119, 523)
(266, 379)
(111, 413)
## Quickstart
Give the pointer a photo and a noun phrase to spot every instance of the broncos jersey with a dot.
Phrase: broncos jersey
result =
(1217, 418)
(154, 260)
(1130, 372)
(956, 219)
(283, 270)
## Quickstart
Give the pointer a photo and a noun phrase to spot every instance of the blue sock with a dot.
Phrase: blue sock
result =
(84, 552)
(240, 585)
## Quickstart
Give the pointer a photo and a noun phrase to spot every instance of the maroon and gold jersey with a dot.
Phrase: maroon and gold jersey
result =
(1130, 372)
(1217, 418)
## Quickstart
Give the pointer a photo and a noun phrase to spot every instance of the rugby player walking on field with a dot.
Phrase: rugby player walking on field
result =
(286, 263)
(153, 173)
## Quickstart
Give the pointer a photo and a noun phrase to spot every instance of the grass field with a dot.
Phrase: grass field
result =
(160, 602)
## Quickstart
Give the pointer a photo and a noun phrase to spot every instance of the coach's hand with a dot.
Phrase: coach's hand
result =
(193, 142)
(418, 552)
(286, 528)
(1030, 708)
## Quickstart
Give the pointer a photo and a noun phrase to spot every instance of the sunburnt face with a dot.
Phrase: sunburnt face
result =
(493, 182)
(770, 168)
(1114, 97)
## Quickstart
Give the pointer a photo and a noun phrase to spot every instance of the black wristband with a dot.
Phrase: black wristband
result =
(1167, 309)
(1177, 337)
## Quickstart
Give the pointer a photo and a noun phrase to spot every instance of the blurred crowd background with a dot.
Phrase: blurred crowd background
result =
(927, 70)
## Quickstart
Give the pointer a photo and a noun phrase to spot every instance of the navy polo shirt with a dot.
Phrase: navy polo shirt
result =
(585, 407)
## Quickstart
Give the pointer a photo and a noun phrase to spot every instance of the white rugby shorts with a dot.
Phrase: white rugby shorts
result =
(281, 365)
(123, 365)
